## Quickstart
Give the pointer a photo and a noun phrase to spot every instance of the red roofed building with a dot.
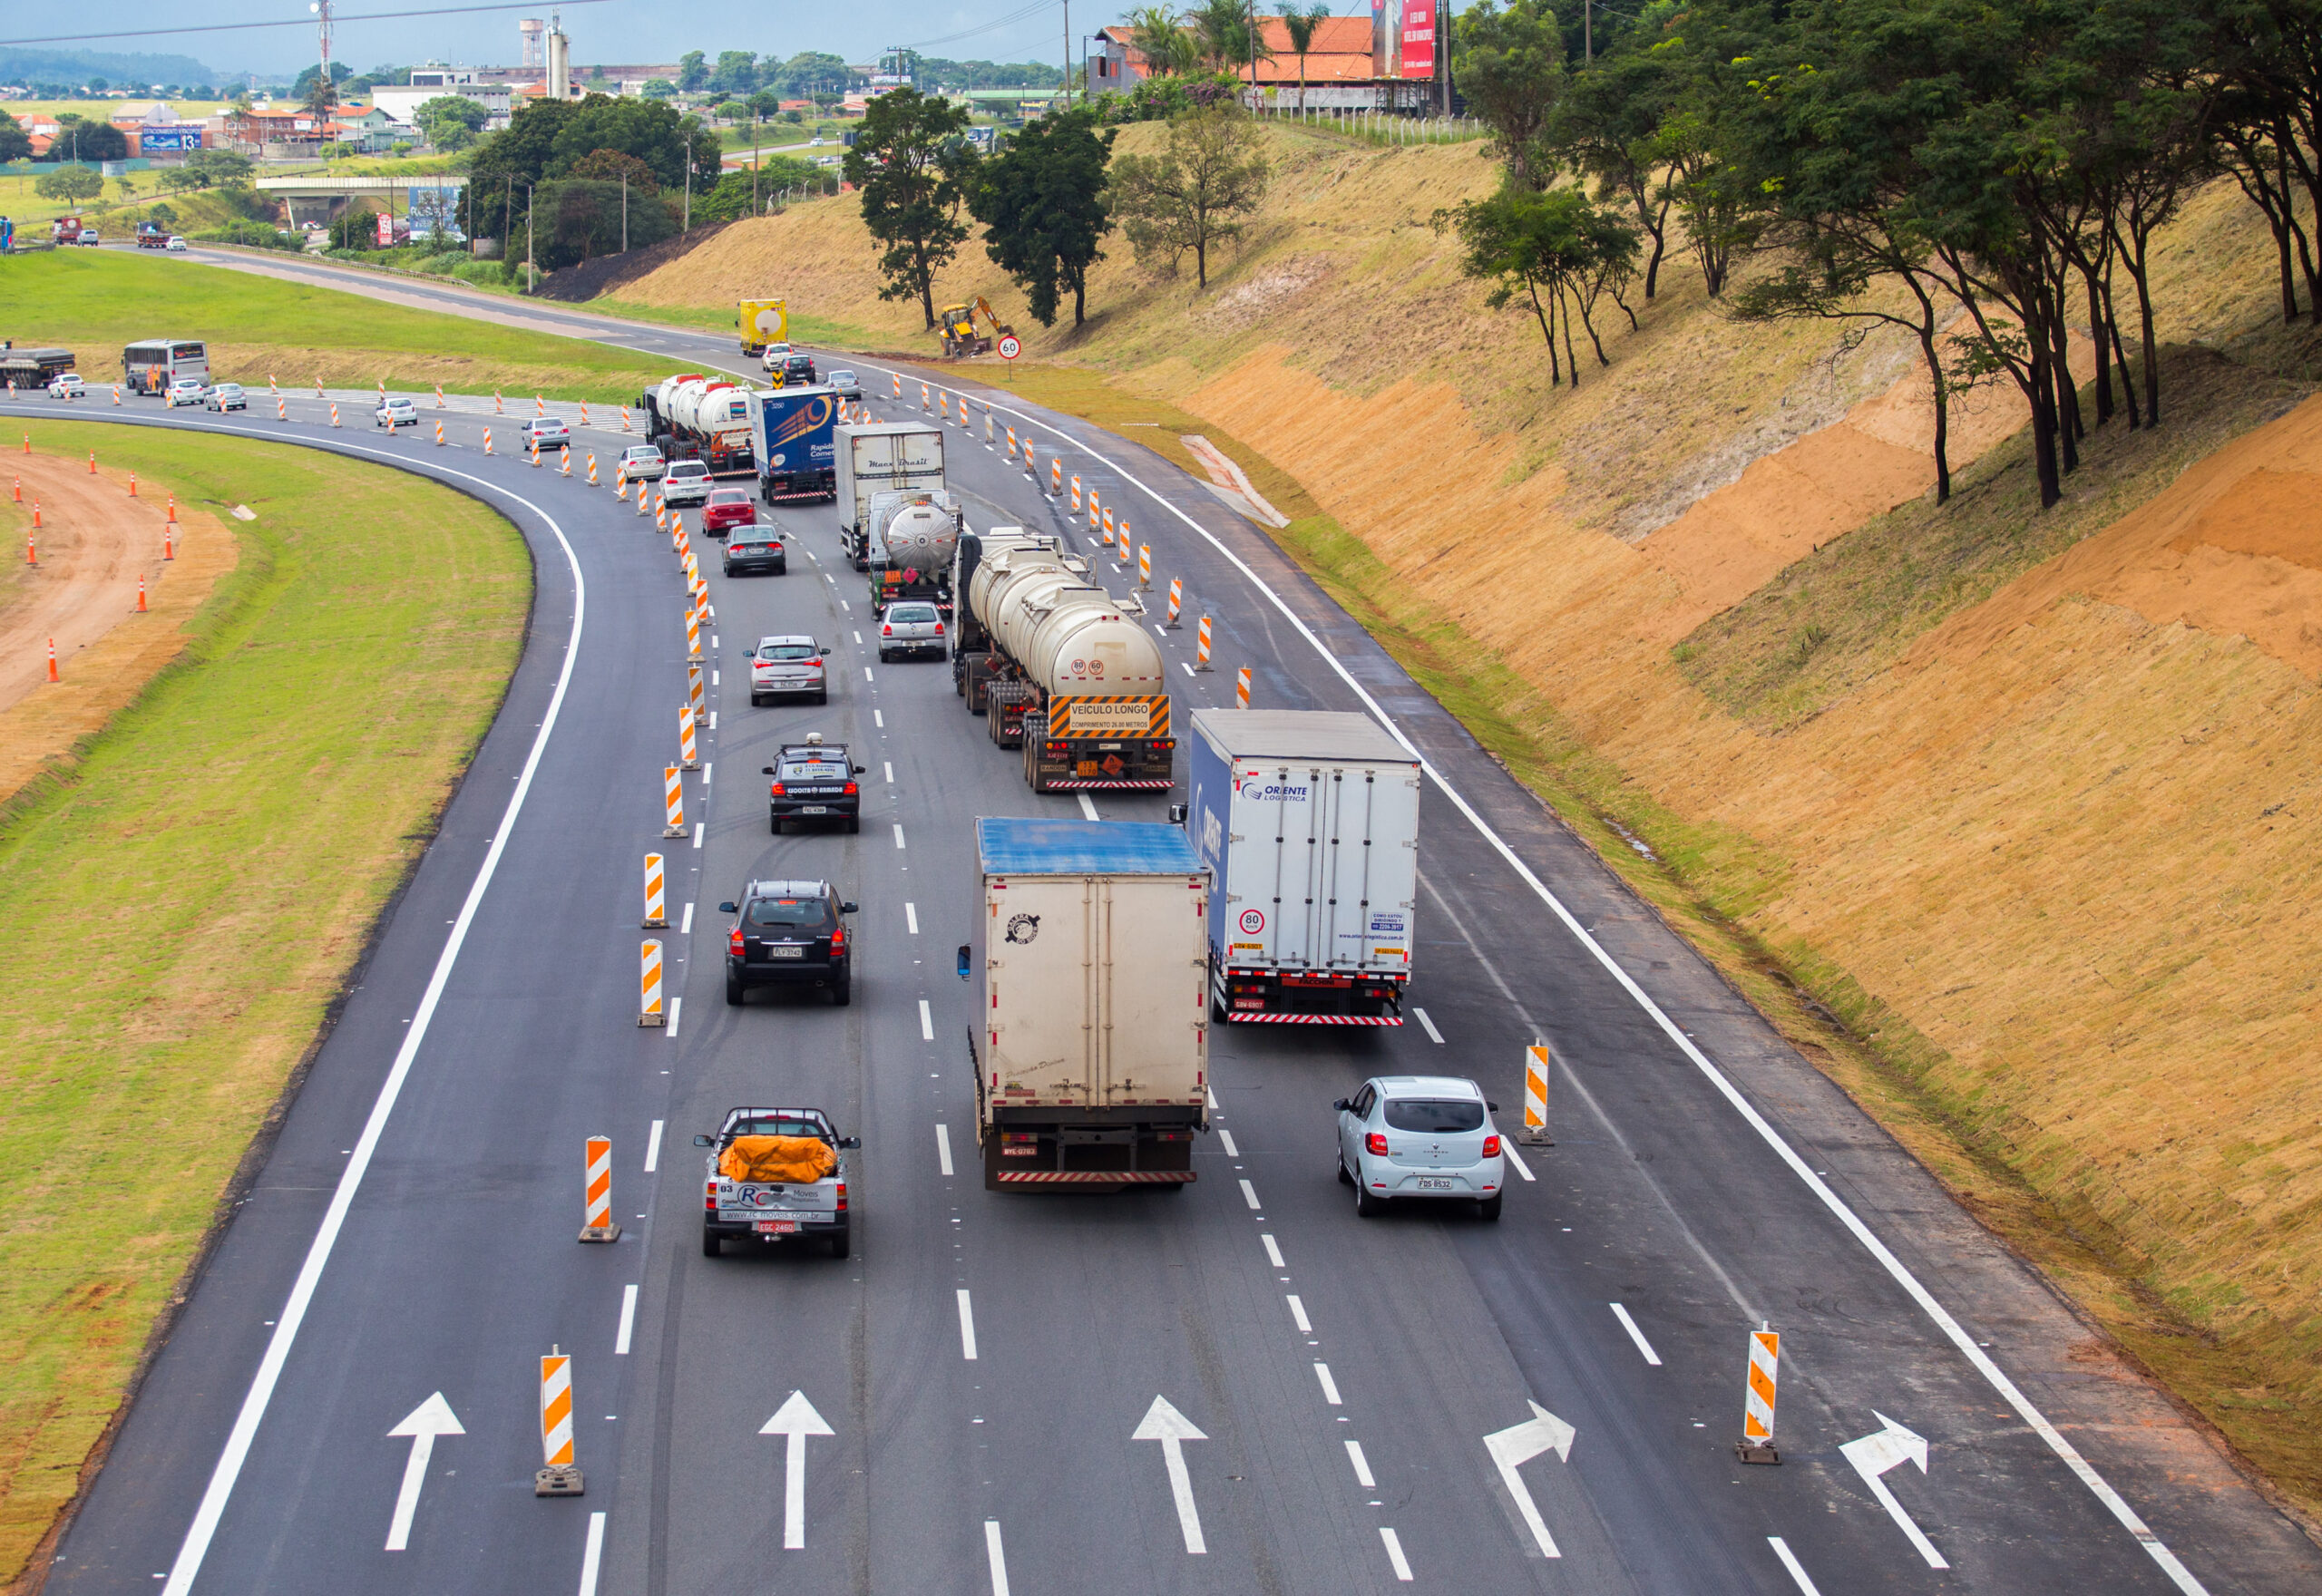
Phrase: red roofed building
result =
(1351, 61)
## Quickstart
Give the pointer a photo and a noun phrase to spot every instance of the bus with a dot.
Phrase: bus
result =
(149, 367)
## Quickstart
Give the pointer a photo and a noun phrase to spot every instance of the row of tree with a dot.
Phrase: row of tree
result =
(1047, 197)
(813, 74)
(1988, 176)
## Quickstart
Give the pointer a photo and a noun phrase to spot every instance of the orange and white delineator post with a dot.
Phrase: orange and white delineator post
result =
(694, 695)
(674, 795)
(642, 497)
(688, 748)
(1535, 1133)
(661, 515)
(497, 409)
(281, 409)
(334, 413)
(535, 452)
(648, 986)
(620, 485)
(624, 419)
(439, 395)
(1076, 492)
(564, 468)
(1757, 1442)
(1031, 466)
(899, 383)
(487, 440)
(1176, 601)
(592, 468)
(1093, 516)
(383, 389)
(657, 914)
(1241, 688)
(1011, 440)
(540, 406)
(584, 413)
(923, 401)
(559, 1475)
(1109, 529)
(116, 392)
(1201, 643)
(1144, 562)
(319, 387)
(693, 634)
(1056, 471)
(439, 435)
(596, 1190)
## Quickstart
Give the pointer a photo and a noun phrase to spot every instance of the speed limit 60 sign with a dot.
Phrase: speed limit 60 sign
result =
(1010, 349)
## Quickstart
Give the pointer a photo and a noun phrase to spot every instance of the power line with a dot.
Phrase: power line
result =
(1020, 14)
(236, 27)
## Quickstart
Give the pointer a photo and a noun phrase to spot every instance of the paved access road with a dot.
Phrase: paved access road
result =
(984, 1363)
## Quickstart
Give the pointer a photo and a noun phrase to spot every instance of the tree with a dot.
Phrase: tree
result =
(319, 97)
(579, 219)
(1301, 26)
(1222, 31)
(1509, 65)
(1169, 48)
(450, 122)
(811, 73)
(1604, 125)
(613, 166)
(80, 139)
(660, 89)
(735, 74)
(163, 213)
(909, 166)
(1042, 202)
(1193, 194)
(691, 73)
(1557, 244)
(15, 144)
(69, 183)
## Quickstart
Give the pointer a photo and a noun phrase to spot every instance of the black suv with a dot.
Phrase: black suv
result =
(814, 781)
(788, 934)
(797, 372)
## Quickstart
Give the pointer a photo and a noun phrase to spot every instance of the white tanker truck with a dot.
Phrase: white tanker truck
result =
(694, 417)
(1058, 666)
(911, 542)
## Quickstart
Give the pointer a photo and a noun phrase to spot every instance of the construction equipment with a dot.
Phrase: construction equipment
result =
(957, 327)
(999, 329)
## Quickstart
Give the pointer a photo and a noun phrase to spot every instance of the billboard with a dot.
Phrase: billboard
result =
(155, 140)
(1419, 39)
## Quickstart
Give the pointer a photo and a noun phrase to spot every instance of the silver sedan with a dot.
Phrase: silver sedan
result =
(1419, 1137)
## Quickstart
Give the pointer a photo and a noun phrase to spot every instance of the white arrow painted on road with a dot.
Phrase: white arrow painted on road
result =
(797, 1419)
(1519, 1444)
(1172, 1429)
(1891, 1446)
(430, 1419)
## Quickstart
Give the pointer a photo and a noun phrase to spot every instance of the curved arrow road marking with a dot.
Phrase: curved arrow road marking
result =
(1891, 1446)
(430, 1419)
(1519, 1444)
(1172, 1429)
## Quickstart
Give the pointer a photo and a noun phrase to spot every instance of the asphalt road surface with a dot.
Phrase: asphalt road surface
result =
(983, 1361)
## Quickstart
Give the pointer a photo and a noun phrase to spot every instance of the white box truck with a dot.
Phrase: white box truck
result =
(879, 457)
(1308, 821)
(1092, 1041)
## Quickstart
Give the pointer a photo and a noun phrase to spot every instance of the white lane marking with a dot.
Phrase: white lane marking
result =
(653, 1148)
(1790, 1560)
(944, 1147)
(628, 1320)
(1361, 1467)
(713, 720)
(858, 639)
(1184, 666)
(1517, 1159)
(1513, 1448)
(911, 917)
(794, 1421)
(967, 1327)
(1427, 1026)
(699, 828)
(1330, 1385)
(712, 678)
(1636, 1335)
(713, 639)
(926, 1022)
(899, 835)
(867, 675)
(879, 720)
(685, 922)
(1205, 1092)
(1225, 1139)
(675, 1004)
(1249, 1195)
(1886, 1448)
(890, 766)
(706, 771)
(430, 1419)
(994, 1558)
(842, 604)
(1087, 806)
(1951, 1329)
(228, 1469)
(1161, 631)
(1274, 1253)
(592, 1556)
(1298, 1314)
(1395, 1554)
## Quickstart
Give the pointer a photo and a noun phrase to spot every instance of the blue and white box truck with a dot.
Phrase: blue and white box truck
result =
(792, 440)
(1308, 821)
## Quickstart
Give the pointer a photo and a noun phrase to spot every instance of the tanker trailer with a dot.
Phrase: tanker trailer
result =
(710, 420)
(655, 403)
(910, 544)
(1083, 689)
(984, 558)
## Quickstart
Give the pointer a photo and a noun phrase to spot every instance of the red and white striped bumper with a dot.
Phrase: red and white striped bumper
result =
(1142, 784)
(1097, 1177)
(1316, 1019)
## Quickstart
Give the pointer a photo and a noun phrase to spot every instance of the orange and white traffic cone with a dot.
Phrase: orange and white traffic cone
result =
(52, 660)
(169, 540)
(32, 550)
(36, 512)
(141, 592)
(20, 490)
(93, 462)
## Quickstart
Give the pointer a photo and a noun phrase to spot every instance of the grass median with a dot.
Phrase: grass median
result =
(185, 900)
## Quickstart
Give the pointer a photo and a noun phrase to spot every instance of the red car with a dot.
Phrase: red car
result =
(728, 508)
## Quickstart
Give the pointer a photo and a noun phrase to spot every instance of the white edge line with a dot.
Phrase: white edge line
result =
(994, 1558)
(1952, 1329)
(228, 1469)
(1635, 1335)
(1790, 1560)
(628, 1320)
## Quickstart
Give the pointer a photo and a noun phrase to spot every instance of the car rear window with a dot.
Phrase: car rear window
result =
(688, 468)
(787, 651)
(814, 770)
(778, 1128)
(806, 914)
(913, 613)
(1434, 1116)
(730, 496)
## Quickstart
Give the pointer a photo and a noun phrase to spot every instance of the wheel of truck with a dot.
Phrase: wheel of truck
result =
(843, 991)
(712, 1244)
(842, 1243)
(732, 990)
(1488, 1209)
(1365, 1205)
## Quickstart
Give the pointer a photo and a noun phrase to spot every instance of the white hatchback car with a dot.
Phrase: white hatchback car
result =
(792, 664)
(686, 481)
(1422, 1136)
(185, 391)
(396, 410)
(67, 386)
(643, 464)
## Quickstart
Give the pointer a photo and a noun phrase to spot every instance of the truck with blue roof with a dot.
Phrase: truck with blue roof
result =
(1091, 1043)
(791, 438)
(1308, 822)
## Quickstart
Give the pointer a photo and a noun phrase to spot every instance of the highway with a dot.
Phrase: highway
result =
(983, 1362)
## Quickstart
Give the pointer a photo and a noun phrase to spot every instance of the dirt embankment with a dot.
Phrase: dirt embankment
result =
(95, 544)
(2060, 851)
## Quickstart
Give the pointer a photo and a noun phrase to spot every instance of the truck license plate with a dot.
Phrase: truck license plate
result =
(774, 1227)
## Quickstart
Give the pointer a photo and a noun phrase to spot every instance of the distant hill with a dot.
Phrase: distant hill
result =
(49, 66)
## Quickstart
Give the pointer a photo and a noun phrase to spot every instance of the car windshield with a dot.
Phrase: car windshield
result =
(1434, 1116)
(814, 770)
(787, 651)
(909, 614)
(809, 914)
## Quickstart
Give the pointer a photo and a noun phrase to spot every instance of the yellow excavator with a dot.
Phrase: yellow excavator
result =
(957, 327)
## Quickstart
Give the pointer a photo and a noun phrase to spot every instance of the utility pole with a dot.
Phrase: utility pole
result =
(529, 282)
(624, 213)
(1067, 54)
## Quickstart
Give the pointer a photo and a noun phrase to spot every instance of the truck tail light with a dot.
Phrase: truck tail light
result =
(842, 1196)
(709, 1197)
(851, 790)
(1491, 1146)
(1375, 1143)
(734, 941)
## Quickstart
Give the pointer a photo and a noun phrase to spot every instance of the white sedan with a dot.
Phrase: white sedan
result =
(1420, 1137)
(185, 391)
(396, 411)
(67, 386)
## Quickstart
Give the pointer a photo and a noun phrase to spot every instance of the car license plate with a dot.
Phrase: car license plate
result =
(774, 1227)
(814, 809)
(784, 951)
(1425, 1184)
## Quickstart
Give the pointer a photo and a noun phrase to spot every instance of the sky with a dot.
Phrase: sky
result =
(611, 31)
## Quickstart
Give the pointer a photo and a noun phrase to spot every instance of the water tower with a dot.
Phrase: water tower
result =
(534, 29)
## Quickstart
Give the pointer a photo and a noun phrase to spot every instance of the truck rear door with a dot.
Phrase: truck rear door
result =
(1150, 988)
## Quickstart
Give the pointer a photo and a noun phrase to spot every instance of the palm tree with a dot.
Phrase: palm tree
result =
(1303, 25)
(1161, 39)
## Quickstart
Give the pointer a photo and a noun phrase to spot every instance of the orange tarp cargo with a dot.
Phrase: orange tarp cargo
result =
(793, 1160)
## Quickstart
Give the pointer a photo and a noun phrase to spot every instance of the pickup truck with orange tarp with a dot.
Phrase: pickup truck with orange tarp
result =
(774, 1174)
